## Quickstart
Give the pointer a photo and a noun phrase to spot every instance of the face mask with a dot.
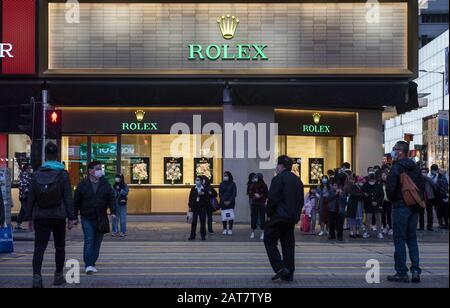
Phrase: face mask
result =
(98, 174)
(198, 183)
(394, 155)
(225, 178)
(324, 181)
(434, 172)
(360, 184)
(371, 172)
(255, 180)
(372, 183)
(117, 180)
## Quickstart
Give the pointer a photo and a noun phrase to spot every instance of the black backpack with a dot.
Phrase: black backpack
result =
(48, 188)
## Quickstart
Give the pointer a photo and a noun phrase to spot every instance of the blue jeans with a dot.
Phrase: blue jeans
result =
(121, 217)
(405, 227)
(92, 242)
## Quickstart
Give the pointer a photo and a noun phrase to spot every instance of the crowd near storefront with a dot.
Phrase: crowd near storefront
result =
(123, 73)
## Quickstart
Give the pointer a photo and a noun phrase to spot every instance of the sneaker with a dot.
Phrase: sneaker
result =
(321, 233)
(122, 235)
(385, 231)
(114, 234)
(90, 270)
(374, 229)
(398, 278)
(252, 235)
(37, 282)
(415, 278)
(225, 232)
(366, 235)
(191, 238)
(59, 279)
(230, 232)
(390, 232)
(94, 269)
(203, 238)
(262, 236)
(380, 236)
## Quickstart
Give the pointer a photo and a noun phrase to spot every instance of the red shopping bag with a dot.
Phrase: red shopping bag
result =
(304, 223)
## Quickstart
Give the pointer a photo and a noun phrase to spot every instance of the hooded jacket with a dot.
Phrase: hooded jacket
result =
(62, 212)
(393, 187)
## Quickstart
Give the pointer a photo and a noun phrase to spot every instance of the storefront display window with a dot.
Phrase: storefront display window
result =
(104, 149)
(314, 156)
(19, 152)
(74, 156)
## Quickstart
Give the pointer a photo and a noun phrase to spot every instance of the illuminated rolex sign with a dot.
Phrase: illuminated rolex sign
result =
(226, 52)
(139, 125)
(316, 127)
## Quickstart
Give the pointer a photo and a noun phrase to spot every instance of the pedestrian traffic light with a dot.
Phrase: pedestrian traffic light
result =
(53, 123)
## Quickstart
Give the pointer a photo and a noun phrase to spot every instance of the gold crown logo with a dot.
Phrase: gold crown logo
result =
(316, 117)
(228, 25)
(140, 115)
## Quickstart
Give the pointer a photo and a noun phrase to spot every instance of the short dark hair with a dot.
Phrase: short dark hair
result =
(346, 165)
(51, 151)
(402, 146)
(94, 163)
(434, 167)
(286, 161)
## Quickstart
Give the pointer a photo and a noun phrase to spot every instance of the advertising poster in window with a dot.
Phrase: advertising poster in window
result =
(297, 167)
(140, 170)
(173, 170)
(316, 166)
(203, 166)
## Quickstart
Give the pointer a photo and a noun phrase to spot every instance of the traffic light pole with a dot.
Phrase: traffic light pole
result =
(44, 121)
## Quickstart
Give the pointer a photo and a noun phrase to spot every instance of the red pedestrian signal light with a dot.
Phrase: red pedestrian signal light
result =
(54, 124)
(54, 117)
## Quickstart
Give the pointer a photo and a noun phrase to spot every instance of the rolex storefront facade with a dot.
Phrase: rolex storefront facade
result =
(135, 78)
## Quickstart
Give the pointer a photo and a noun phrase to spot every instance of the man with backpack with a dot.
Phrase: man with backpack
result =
(404, 188)
(50, 204)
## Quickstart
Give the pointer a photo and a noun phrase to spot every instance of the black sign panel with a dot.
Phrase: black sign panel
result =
(315, 123)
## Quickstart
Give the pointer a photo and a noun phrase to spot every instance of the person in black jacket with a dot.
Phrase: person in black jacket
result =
(50, 219)
(210, 193)
(284, 205)
(405, 218)
(227, 194)
(93, 197)
(258, 195)
(373, 193)
(198, 203)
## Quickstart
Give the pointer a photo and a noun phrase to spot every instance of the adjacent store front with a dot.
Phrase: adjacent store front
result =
(123, 73)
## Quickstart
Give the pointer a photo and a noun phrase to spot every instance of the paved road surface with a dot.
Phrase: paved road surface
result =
(126, 263)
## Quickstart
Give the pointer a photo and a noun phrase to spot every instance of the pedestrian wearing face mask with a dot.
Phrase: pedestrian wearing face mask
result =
(211, 193)
(227, 194)
(121, 191)
(258, 193)
(324, 194)
(387, 206)
(198, 201)
(94, 196)
(355, 207)
(374, 196)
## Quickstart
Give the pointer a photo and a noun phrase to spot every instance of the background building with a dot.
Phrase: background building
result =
(433, 20)
(422, 123)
